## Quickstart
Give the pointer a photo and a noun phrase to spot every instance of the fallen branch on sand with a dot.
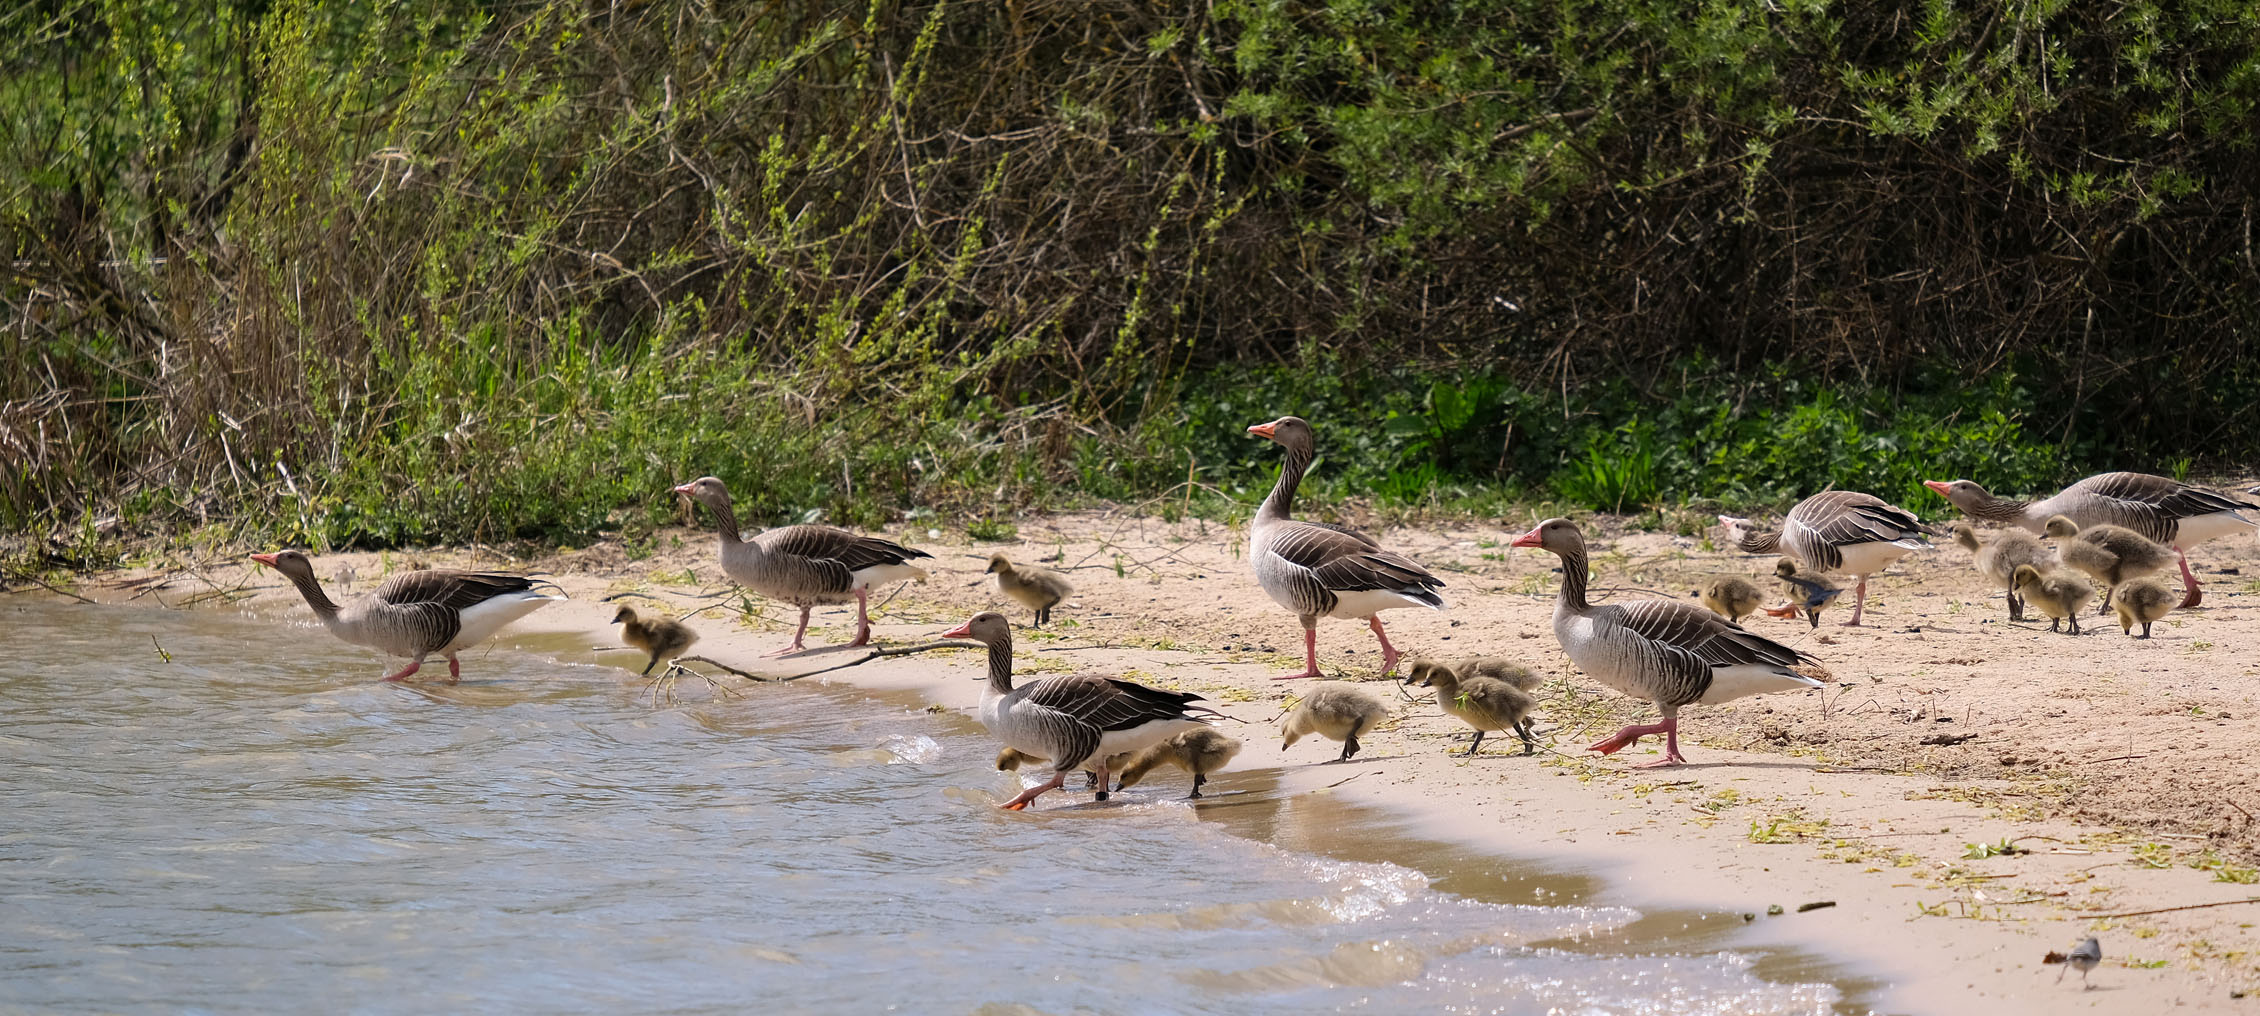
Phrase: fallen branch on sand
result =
(875, 654)
(2168, 910)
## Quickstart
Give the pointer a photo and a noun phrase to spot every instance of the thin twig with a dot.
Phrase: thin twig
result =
(2168, 910)
(877, 653)
(37, 581)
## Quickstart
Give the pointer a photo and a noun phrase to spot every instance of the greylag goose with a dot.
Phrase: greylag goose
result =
(1318, 570)
(1011, 759)
(1668, 652)
(1810, 595)
(1999, 560)
(1199, 752)
(1838, 530)
(2143, 602)
(663, 638)
(1071, 719)
(415, 614)
(806, 565)
(2168, 511)
(1038, 589)
(1731, 596)
(1334, 710)
(2108, 554)
(1487, 694)
(2058, 594)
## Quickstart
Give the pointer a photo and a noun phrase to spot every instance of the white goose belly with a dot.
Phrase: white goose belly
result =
(1869, 558)
(2200, 528)
(1364, 603)
(481, 620)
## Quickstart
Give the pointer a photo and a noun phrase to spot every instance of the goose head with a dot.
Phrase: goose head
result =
(1560, 536)
(1290, 432)
(2060, 526)
(1785, 567)
(706, 490)
(293, 564)
(1422, 672)
(1962, 494)
(1737, 527)
(1966, 535)
(626, 615)
(987, 627)
(999, 563)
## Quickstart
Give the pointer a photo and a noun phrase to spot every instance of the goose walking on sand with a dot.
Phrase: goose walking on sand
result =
(1805, 593)
(1838, 530)
(2143, 602)
(2058, 594)
(2108, 554)
(1318, 570)
(1731, 597)
(1999, 560)
(1038, 589)
(1071, 719)
(418, 613)
(806, 565)
(2165, 510)
(1668, 652)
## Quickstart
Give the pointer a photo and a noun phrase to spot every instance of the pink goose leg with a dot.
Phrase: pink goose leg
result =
(1389, 655)
(1859, 603)
(1310, 658)
(862, 617)
(2191, 595)
(798, 634)
(407, 670)
(1668, 726)
(454, 671)
(1029, 795)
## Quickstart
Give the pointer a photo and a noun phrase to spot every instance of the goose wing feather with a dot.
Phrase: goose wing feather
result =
(1078, 710)
(852, 551)
(448, 588)
(1712, 639)
(1346, 562)
(1842, 517)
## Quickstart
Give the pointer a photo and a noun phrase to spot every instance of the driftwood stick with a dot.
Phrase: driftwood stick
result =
(35, 580)
(877, 653)
(2168, 910)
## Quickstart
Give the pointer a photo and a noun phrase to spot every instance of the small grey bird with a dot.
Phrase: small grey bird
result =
(2084, 956)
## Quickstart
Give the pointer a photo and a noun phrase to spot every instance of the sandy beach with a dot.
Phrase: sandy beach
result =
(2116, 772)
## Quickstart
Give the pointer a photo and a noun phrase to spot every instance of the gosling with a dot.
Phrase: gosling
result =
(1011, 759)
(1487, 694)
(2060, 595)
(1199, 752)
(662, 637)
(1999, 560)
(1807, 594)
(1038, 589)
(2108, 554)
(1336, 710)
(2144, 601)
(1731, 597)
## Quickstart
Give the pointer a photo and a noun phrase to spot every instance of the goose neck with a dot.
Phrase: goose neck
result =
(311, 588)
(1000, 667)
(1999, 509)
(1760, 543)
(726, 522)
(1282, 499)
(1575, 574)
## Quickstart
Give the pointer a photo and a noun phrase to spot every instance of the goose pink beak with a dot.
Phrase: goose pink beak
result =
(1937, 487)
(1529, 539)
(683, 489)
(963, 631)
(1263, 429)
(265, 559)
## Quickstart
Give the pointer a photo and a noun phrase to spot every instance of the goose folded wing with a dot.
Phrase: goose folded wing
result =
(1344, 530)
(1852, 518)
(454, 590)
(852, 550)
(424, 626)
(1713, 639)
(1110, 703)
(2191, 502)
(1343, 562)
(2142, 488)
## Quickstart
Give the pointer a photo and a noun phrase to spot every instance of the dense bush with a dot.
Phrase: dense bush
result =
(372, 272)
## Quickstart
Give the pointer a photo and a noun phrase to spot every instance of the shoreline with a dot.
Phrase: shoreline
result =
(1819, 814)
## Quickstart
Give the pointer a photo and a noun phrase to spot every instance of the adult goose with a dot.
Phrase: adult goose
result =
(1838, 530)
(417, 613)
(805, 565)
(1318, 570)
(1071, 719)
(1668, 652)
(2166, 510)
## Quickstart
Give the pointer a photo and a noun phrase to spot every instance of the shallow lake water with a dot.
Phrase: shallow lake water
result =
(211, 812)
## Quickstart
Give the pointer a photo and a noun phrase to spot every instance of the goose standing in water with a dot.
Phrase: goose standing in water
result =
(2168, 511)
(417, 613)
(1318, 570)
(1671, 653)
(1199, 752)
(806, 565)
(1071, 719)
(1838, 530)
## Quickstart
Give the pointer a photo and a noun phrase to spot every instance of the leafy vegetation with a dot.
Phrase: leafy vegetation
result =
(343, 272)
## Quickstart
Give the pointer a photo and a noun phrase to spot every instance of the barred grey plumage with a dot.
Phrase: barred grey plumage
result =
(1320, 570)
(1670, 653)
(805, 565)
(1838, 530)
(418, 613)
(2166, 510)
(1071, 719)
